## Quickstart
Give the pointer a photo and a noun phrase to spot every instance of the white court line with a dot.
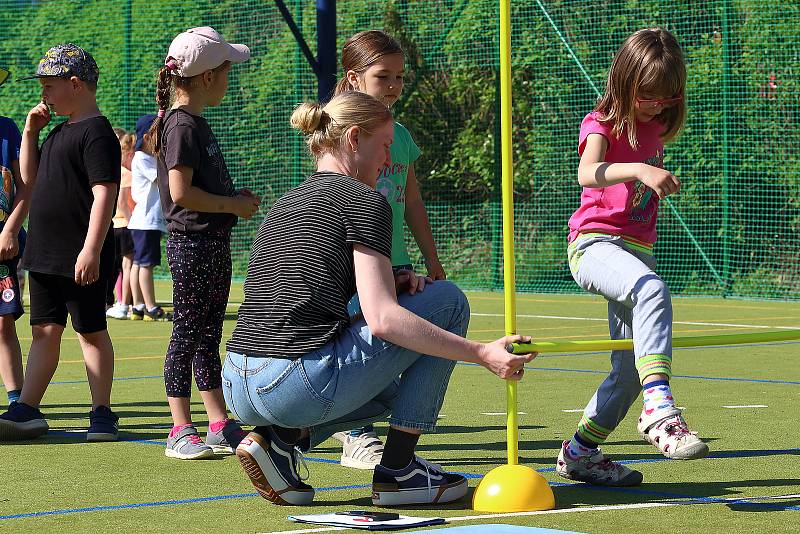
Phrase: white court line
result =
(692, 323)
(516, 514)
(501, 413)
(576, 410)
(747, 406)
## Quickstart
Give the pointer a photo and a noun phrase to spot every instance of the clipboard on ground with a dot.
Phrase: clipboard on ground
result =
(367, 520)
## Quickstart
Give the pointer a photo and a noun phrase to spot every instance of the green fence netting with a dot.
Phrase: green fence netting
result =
(731, 231)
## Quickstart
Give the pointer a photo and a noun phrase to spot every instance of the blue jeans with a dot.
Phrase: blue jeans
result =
(353, 380)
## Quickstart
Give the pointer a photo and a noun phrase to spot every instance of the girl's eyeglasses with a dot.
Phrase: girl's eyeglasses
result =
(647, 104)
(4, 74)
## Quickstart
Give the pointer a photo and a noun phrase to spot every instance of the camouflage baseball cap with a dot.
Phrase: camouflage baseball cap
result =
(66, 60)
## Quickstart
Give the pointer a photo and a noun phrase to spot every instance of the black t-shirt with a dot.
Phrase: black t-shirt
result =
(188, 140)
(74, 156)
(300, 276)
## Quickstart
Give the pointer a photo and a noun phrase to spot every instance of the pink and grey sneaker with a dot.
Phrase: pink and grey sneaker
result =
(671, 435)
(186, 444)
(226, 439)
(597, 469)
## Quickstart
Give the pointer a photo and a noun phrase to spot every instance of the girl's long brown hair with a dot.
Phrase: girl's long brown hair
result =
(363, 50)
(649, 62)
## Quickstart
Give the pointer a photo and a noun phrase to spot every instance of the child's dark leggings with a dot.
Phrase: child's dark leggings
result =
(201, 278)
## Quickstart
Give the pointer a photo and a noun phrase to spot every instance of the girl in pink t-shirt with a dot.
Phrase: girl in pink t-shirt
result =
(611, 253)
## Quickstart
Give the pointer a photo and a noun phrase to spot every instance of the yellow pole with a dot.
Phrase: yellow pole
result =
(512, 487)
(627, 344)
(507, 168)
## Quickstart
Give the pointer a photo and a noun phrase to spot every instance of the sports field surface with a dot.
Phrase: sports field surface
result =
(743, 400)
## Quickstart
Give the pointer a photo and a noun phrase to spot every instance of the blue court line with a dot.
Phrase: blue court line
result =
(689, 498)
(695, 377)
(157, 503)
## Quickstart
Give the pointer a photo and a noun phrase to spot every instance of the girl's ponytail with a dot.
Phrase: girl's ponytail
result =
(163, 98)
(342, 86)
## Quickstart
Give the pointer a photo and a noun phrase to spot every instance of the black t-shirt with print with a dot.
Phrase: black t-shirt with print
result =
(188, 140)
(300, 276)
(74, 156)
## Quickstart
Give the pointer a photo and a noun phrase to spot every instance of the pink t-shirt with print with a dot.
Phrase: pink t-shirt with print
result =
(628, 209)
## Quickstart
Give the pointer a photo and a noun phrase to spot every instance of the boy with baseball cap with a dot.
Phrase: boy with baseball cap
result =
(70, 248)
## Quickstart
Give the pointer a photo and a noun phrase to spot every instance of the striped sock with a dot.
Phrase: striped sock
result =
(657, 397)
(578, 447)
(13, 396)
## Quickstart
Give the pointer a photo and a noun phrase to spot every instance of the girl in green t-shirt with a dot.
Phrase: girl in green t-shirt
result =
(374, 63)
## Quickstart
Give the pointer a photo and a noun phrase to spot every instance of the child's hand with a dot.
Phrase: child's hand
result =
(663, 182)
(87, 268)
(37, 118)
(405, 280)
(245, 204)
(9, 246)
(435, 269)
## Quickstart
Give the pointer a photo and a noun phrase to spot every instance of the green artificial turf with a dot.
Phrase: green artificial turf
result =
(59, 482)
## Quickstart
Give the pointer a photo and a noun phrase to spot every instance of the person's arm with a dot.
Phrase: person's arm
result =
(9, 242)
(37, 119)
(390, 321)
(417, 220)
(594, 171)
(87, 266)
(183, 193)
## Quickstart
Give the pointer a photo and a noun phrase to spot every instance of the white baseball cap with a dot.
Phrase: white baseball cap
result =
(200, 49)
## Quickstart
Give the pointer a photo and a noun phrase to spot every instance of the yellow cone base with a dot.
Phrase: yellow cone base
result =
(513, 488)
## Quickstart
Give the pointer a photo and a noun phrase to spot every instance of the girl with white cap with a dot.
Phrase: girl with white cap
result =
(201, 207)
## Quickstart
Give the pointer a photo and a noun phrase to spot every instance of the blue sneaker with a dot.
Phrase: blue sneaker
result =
(103, 425)
(420, 482)
(272, 465)
(22, 422)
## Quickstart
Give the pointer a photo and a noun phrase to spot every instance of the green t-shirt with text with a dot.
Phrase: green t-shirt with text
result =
(392, 184)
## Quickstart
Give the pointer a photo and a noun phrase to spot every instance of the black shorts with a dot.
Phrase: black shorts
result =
(124, 241)
(53, 296)
(147, 247)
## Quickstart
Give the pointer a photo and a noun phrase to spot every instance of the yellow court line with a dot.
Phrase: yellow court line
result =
(727, 305)
(121, 359)
(113, 338)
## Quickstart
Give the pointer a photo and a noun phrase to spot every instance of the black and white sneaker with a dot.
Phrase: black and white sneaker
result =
(420, 482)
(272, 465)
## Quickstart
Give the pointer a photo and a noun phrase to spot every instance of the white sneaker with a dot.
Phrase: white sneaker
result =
(671, 436)
(118, 311)
(597, 469)
(360, 452)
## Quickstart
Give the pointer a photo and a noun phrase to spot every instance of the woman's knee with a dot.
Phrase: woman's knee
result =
(448, 295)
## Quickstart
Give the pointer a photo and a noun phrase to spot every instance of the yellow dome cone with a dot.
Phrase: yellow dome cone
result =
(512, 487)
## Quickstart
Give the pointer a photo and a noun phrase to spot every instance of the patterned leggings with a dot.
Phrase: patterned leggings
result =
(201, 276)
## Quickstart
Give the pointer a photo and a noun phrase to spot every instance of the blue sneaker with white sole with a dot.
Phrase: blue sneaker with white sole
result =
(272, 466)
(22, 421)
(103, 425)
(420, 482)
